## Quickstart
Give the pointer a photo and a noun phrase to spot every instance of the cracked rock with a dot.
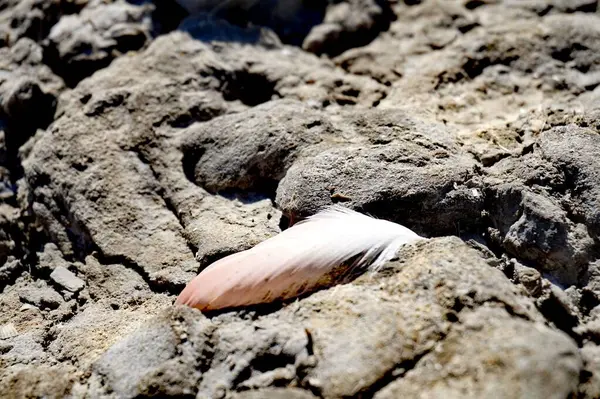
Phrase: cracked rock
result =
(489, 346)
(149, 217)
(342, 341)
(533, 227)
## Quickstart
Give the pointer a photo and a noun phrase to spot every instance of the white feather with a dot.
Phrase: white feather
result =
(304, 257)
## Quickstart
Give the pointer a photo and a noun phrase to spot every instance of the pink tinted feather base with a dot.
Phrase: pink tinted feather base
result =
(299, 260)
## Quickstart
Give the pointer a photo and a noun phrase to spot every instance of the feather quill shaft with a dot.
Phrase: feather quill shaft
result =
(309, 255)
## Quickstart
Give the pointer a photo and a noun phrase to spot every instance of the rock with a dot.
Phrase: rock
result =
(207, 28)
(92, 331)
(124, 354)
(590, 294)
(177, 145)
(252, 150)
(33, 18)
(21, 96)
(41, 296)
(66, 279)
(26, 83)
(531, 226)
(25, 60)
(27, 319)
(438, 192)
(472, 78)
(290, 19)
(114, 284)
(530, 278)
(143, 218)
(50, 259)
(558, 307)
(9, 271)
(24, 95)
(575, 152)
(348, 24)
(540, 6)
(275, 393)
(341, 341)
(39, 381)
(8, 331)
(18, 352)
(590, 375)
(82, 43)
(9, 238)
(498, 351)
(545, 210)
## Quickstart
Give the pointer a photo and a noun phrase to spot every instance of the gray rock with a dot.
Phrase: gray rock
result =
(66, 279)
(590, 381)
(82, 43)
(116, 365)
(531, 226)
(575, 151)
(559, 308)
(39, 381)
(462, 116)
(342, 341)
(23, 95)
(132, 352)
(23, 350)
(541, 6)
(95, 327)
(41, 296)
(591, 291)
(275, 393)
(321, 27)
(26, 83)
(8, 331)
(9, 239)
(530, 278)
(348, 24)
(290, 19)
(252, 150)
(145, 217)
(205, 27)
(114, 284)
(32, 18)
(407, 171)
(25, 59)
(475, 77)
(543, 207)
(492, 354)
(9, 271)
(50, 259)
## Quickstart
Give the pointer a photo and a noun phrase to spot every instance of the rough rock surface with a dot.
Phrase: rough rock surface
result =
(138, 144)
(82, 43)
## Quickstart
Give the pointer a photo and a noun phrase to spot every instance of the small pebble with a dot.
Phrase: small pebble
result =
(67, 279)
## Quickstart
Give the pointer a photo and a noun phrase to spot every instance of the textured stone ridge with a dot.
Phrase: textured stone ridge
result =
(138, 144)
